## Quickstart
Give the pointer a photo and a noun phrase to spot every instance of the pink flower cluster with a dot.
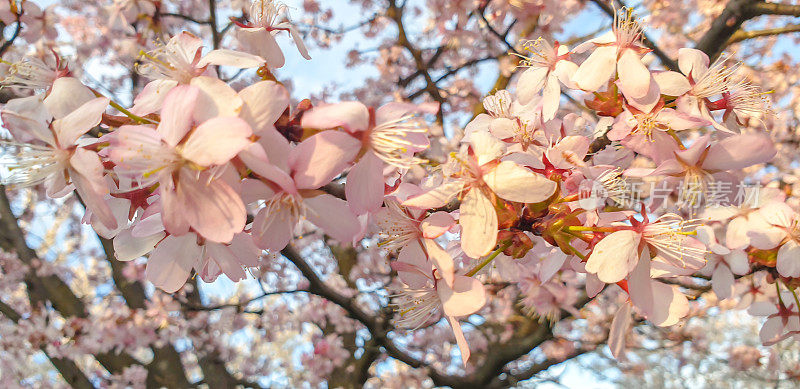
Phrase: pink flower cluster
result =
(201, 177)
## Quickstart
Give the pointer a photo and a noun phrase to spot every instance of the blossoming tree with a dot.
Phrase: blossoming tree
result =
(176, 213)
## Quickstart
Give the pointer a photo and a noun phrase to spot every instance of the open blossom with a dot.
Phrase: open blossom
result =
(181, 61)
(406, 230)
(782, 228)
(172, 260)
(33, 73)
(704, 82)
(258, 36)
(122, 13)
(635, 122)
(723, 263)
(547, 67)
(40, 23)
(427, 293)
(479, 175)
(620, 51)
(697, 168)
(176, 155)
(616, 255)
(54, 156)
(521, 126)
(601, 183)
(391, 134)
(293, 175)
(783, 318)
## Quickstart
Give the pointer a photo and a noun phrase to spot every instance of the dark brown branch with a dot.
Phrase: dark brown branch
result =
(512, 379)
(396, 14)
(378, 329)
(764, 8)
(502, 37)
(184, 17)
(725, 26)
(212, 22)
(742, 35)
(497, 357)
(7, 44)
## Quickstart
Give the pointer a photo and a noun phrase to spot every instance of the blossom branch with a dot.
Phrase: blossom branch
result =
(69, 371)
(396, 14)
(51, 287)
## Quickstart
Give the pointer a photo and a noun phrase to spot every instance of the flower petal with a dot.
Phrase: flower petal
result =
(441, 259)
(264, 103)
(461, 341)
(365, 184)
(69, 128)
(530, 83)
(619, 331)
(465, 297)
(176, 115)
(634, 78)
(319, 159)
(516, 183)
(417, 272)
(151, 98)
(672, 83)
(789, 259)
(171, 263)
(436, 224)
(233, 58)
(273, 231)
(692, 62)
(261, 42)
(597, 69)
(334, 217)
(740, 151)
(437, 197)
(127, 247)
(217, 99)
(614, 256)
(722, 282)
(87, 174)
(217, 141)
(670, 305)
(66, 95)
(212, 207)
(350, 115)
(478, 221)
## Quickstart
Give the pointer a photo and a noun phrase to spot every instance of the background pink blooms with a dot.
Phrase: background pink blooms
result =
(503, 178)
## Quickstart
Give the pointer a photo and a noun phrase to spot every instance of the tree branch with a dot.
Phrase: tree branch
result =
(725, 25)
(496, 358)
(396, 14)
(742, 35)
(764, 8)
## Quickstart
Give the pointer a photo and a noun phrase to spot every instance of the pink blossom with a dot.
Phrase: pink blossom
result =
(176, 155)
(620, 51)
(392, 134)
(427, 293)
(54, 157)
(258, 35)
